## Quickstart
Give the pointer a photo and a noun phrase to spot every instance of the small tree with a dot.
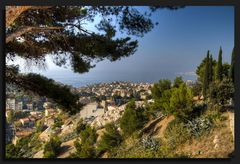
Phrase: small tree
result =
(52, 148)
(58, 123)
(225, 70)
(181, 101)
(178, 81)
(165, 101)
(160, 87)
(132, 119)
(11, 151)
(80, 126)
(110, 139)
(40, 126)
(86, 147)
(222, 91)
(197, 88)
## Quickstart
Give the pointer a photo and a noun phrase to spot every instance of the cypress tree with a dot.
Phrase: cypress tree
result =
(219, 65)
(232, 66)
(210, 69)
(206, 76)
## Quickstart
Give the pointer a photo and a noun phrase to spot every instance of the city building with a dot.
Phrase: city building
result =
(49, 112)
(27, 122)
(19, 106)
(11, 103)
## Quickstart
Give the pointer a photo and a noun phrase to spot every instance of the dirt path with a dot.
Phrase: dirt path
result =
(161, 126)
(231, 121)
(157, 126)
(38, 154)
(67, 148)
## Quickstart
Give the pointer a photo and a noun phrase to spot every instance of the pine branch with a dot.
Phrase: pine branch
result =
(42, 86)
(23, 30)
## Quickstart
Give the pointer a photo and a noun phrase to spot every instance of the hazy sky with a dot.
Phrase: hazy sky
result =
(175, 47)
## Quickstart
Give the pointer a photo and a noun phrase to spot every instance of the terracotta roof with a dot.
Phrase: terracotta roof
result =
(23, 134)
(25, 119)
(51, 110)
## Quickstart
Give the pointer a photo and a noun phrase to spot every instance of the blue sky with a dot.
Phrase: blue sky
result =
(175, 47)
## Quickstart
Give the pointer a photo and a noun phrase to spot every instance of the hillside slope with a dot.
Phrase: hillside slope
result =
(218, 143)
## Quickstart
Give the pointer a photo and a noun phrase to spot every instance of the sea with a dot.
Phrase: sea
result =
(79, 80)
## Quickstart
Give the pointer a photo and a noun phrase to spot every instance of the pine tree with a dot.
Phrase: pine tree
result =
(219, 66)
(57, 31)
(52, 148)
(178, 81)
(110, 138)
(181, 101)
(132, 119)
(206, 76)
(86, 147)
(76, 46)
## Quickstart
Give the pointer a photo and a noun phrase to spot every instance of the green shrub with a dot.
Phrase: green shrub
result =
(176, 134)
(198, 110)
(86, 147)
(221, 91)
(110, 139)
(80, 126)
(132, 119)
(150, 143)
(198, 126)
(181, 101)
(57, 123)
(11, 151)
(52, 148)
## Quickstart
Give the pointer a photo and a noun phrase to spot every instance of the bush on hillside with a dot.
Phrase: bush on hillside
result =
(221, 91)
(132, 119)
(80, 126)
(85, 148)
(198, 126)
(110, 139)
(52, 148)
(150, 143)
(181, 102)
(176, 133)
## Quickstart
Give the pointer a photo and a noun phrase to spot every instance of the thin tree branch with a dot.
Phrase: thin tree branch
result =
(23, 30)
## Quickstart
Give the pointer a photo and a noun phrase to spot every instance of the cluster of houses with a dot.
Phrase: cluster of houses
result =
(115, 92)
(25, 126)
(98, 114)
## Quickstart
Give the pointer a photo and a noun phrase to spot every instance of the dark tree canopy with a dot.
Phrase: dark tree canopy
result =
(61, 32)
(178, 81)
(206, 76)
(201, 68)
(219, 65)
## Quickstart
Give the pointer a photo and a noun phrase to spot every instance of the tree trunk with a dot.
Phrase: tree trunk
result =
(23, 30)
(13, 12)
